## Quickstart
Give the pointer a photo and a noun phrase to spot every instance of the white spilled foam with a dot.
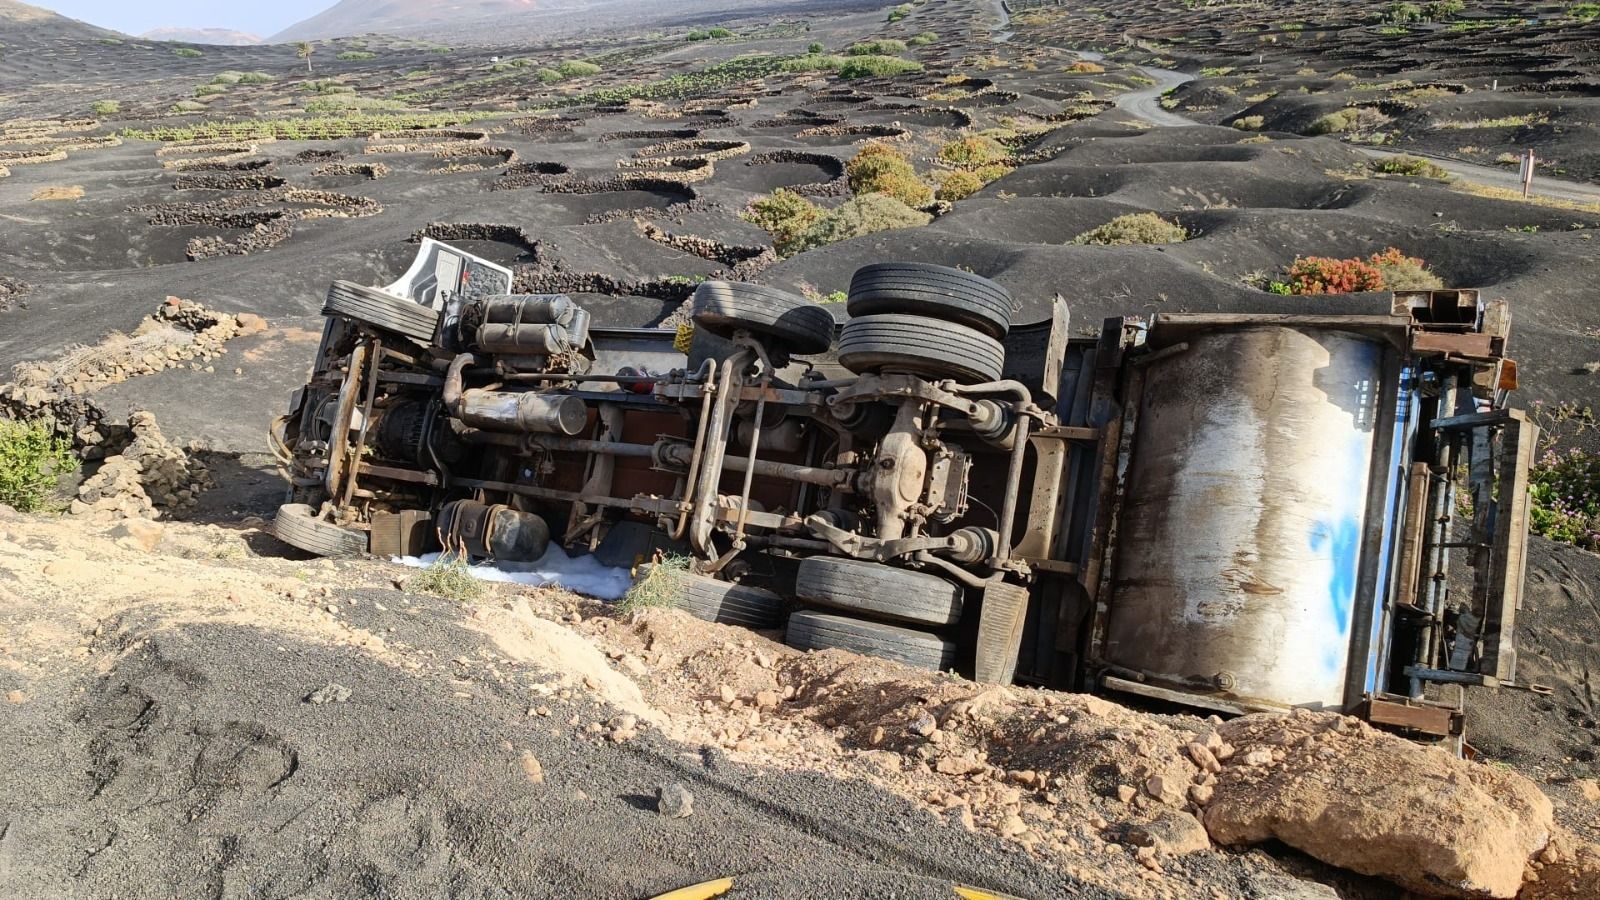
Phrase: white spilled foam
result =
(581, 574)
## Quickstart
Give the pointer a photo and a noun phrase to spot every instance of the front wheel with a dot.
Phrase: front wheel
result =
(298, 526)
(373, 307)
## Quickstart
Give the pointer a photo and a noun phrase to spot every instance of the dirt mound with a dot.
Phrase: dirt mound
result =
(192, 720)
(1070, 775)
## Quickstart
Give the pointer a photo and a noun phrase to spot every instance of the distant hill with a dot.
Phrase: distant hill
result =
(349, 17)
(20, 23)
(500, 21)
(223, 36)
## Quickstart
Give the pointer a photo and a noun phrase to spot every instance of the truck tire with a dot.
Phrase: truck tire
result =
(823, 631)
(879, 591)
(371, 306)
(298, 526)
(921, 346)
(794, 323)
(731, 604)
(938, 292)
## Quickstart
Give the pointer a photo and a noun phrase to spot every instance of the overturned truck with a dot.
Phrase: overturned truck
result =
(1228, 511)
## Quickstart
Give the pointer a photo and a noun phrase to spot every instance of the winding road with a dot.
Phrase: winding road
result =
(1145, 103)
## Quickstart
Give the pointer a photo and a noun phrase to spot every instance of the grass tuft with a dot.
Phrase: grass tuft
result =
(447, 577)
(659, 586)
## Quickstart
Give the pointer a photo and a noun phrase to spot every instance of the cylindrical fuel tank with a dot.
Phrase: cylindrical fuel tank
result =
(550, 413)
(1240, 534)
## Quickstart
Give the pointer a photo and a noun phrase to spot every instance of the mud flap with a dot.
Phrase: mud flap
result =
(1005, 608)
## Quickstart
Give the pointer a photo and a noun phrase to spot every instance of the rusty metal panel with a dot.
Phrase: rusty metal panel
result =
(406, 533)
(1508, 557)
(1437, 720)
(1241, 533)
(1469, 346)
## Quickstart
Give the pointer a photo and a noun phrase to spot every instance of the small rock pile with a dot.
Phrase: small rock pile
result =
(149, 479)
(10, 290)
(179, 333)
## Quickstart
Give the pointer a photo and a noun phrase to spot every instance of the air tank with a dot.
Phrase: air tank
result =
(1240, 536)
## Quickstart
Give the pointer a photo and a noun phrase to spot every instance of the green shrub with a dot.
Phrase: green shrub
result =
(1584, 12)
(1404, 273)
(188, 106)
(812, 62)
(880, 169)
(327, 87)
(207, 90)
(900, 12)
(719, 32)
(814, 47)
(786, 216)
(1564, 495)
(1249, 123)
(32, 459)
(1402, 13)
(923, 39)
(187, 53)
(871, 161)
(1413, 166)
(877, 67)
(1134, 228)
(227, 78)
(990, 173)
(255, 78)
(959, 185)
(548, 76)
(1333, 122)
(876, 48)
(448, 577)
(106, 107)
(577, 68)
(333, 103)
(974, 152)
(867, 214)
(699, 34)
(1351, 120)
(357, 55)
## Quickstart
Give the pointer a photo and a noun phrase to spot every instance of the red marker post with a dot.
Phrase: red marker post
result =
(1528, 162)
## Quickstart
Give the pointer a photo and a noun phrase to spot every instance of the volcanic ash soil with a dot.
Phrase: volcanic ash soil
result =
(192, 713)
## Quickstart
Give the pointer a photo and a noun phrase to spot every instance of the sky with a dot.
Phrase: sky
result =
(254, 16)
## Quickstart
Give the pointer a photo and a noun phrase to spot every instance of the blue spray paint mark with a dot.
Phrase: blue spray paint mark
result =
(1341, 541)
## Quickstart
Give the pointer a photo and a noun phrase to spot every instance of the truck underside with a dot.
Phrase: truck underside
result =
(1232, 512)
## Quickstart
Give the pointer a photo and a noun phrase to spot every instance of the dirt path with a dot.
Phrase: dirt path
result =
(1146, 104)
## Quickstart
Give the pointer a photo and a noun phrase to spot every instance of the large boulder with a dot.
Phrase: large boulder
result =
(1349, 795)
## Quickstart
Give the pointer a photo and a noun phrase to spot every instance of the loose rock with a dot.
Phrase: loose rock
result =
(674, 801)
